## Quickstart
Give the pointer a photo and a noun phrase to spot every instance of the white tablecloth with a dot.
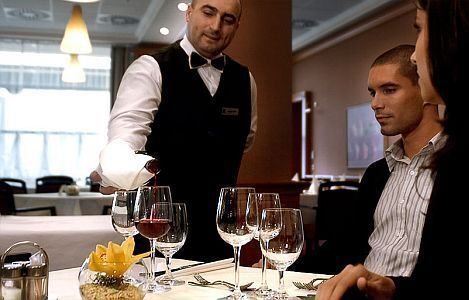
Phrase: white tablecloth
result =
(63, 284)
(86, 203)
(67, 240)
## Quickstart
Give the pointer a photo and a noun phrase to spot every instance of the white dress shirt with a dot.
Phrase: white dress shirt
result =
(400, 214)
(137, 102)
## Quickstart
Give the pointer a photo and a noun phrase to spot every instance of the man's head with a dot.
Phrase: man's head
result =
(395, 93)
(212, 24)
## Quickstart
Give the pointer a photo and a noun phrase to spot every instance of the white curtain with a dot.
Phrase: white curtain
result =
(48, 127)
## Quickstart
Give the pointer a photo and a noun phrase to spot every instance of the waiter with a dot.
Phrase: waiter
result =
(192, 107)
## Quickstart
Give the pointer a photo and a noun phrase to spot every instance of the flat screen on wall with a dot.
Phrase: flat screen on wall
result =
(365, 142)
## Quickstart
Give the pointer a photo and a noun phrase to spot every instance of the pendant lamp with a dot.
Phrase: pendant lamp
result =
(76, 39)
(73, 71)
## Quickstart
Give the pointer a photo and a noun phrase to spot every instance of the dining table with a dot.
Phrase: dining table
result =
(85, 203)
(67, 240)
(64, 284)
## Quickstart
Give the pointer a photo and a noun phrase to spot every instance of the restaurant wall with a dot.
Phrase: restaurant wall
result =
(337, 77)
(263, 43)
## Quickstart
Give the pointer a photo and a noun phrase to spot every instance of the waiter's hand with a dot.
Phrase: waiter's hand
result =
(106, 190)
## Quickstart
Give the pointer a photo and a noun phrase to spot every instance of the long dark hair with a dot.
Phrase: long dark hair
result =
(448, 51)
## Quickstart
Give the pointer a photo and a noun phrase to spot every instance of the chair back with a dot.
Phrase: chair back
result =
(7, 200)
(337, 219)
(94, 186)
(18, 186)
(51, 184)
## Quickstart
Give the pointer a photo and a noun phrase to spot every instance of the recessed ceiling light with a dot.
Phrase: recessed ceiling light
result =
(182, 6)
(164, 31)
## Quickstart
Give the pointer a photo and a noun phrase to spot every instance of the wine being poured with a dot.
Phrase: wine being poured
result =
(153, 215)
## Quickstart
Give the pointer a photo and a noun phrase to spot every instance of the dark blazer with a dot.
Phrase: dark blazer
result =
(369, 192)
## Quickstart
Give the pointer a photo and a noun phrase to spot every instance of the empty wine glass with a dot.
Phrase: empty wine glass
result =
(281, 235)
(232, 226)
(153, 216)
(122, 212)
(257, 202)
(172, 241)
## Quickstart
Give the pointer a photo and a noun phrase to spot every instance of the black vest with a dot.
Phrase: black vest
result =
(195, 134)
(199, 139)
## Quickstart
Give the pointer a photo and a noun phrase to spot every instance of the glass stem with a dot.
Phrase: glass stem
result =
(152, 259)
(237, 252)
(264, 279)
(281, 285)
(168, 275)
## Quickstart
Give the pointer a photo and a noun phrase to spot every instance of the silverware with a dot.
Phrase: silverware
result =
(204, 282)
(158, 273)
(310, 285)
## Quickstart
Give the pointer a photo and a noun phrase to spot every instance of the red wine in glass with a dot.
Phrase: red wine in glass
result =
(153, 228)
(152, 216)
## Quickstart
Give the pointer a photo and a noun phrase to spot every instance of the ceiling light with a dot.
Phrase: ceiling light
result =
(73, 71)
(164, 31)
(76, 39)
(182, 6)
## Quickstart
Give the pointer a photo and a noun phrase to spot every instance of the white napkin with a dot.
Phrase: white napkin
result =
(120, 167)
(207, 267)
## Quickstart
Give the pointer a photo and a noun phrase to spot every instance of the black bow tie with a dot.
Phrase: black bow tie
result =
(196, 61)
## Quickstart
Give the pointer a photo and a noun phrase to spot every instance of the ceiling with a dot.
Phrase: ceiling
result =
(133, 21)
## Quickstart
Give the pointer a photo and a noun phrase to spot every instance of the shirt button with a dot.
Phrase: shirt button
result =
(402, 201)
(412, 173)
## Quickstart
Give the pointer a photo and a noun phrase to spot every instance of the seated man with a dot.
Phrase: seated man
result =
(395, 190)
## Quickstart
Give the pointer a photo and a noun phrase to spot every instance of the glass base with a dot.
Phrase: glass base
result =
(264, 292)
(170, 282)
(155, 288)
(234, 296)
(280, 296)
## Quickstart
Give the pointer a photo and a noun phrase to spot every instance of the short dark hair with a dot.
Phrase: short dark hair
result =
(400, 55)
(194, 2)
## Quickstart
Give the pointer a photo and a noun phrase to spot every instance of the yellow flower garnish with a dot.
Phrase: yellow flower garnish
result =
(115, 259)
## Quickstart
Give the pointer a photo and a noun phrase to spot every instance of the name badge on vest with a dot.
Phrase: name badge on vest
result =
(229, 111)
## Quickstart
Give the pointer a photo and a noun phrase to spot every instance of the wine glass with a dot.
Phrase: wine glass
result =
(281, 235)
(232, 226)
(257, 202)
(153, 216)
(172, 241)
(122, 213)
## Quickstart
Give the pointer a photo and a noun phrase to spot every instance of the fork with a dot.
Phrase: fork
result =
(310, 285)
(204, 282)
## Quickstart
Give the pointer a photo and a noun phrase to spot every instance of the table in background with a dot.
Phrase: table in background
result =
(67, 240)
(86, 203)
(63, 284)
(83, 188)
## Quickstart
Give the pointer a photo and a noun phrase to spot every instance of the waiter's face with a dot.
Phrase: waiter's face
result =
(212, 24)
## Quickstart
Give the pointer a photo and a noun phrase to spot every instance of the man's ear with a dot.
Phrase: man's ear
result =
(188, 12)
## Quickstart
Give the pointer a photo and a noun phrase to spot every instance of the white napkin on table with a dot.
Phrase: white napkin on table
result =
(207, 267)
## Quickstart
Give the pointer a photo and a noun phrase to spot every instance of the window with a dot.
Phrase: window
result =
(49, 127)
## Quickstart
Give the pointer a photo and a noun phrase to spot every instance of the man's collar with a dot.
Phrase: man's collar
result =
(188, 48)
